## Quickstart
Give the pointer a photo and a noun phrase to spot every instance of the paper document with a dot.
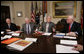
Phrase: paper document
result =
(10, 32)
(65, 49)
(46, 33)
(31, 39)
(69, 37)
(68, 42)
(2, 38)
(19, 45)
(7, 36)
(15, 34)
(2, 32)
(60, 33)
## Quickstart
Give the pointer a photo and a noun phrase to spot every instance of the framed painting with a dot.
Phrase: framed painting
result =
(61, 9)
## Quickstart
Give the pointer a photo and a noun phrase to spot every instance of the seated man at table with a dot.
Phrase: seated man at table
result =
(8, 26)
(72, 28)
(28, 27)
(48, 26)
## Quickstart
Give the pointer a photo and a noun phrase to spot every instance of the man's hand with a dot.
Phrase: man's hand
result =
(53, 29)
(78, 47)
(71, 34)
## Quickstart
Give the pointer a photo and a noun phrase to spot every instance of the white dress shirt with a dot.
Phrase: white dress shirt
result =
(47, 26)
(28, 28)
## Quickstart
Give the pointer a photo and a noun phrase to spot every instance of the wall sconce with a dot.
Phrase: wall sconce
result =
(19, 14)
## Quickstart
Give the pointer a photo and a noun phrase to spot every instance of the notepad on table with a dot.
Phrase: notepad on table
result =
(20, 45)
(10, 32)
(69, 37)
(60, 34)
(2, 38)
(15, 34)
(68, 42)
(31, 39)
(47, 34)
(2, 32)
(5, 37)
(65, 49)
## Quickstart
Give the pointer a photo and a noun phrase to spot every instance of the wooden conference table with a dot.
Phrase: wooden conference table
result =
(44, 44)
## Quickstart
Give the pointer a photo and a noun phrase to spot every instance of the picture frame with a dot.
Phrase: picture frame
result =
(61, 9)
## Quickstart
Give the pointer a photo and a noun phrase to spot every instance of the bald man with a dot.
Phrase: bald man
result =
(48, 26)
(10, 26)
(28, 27)
(72, 28)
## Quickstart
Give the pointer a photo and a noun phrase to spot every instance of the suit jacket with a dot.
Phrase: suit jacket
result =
(32, 26)
(76, 27)
(51, 25)
(13, 27)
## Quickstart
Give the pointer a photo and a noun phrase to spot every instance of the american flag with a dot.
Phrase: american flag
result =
(32, 13)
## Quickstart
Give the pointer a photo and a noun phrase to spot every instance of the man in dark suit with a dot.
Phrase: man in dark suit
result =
(8, 26)
(47, 26)
(28, 27)
(72, 28)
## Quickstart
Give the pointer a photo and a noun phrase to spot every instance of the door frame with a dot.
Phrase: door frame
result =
(11, 11)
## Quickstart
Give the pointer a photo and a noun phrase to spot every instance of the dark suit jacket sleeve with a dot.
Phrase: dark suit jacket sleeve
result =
(22, 28)
(14, 27)
(53, 25)
(65, 29)
(34, 27)
(79, 30)
(41, 27)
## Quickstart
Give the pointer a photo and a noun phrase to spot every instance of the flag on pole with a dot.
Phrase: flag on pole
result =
(37, 15)
(36, 8)
(82, 17)
(32, 13)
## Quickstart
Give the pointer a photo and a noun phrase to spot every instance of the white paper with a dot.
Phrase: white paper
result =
(10, 32)
(65, 49)
(31, 39)
(2, 38)
(60, 33)
(15, 34)
(68, 42)
(18, 47)
(7, 36)
(2, 32)
(69, 37)
(47, 34)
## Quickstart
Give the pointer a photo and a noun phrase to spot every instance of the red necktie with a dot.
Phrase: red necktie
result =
(69, 28)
